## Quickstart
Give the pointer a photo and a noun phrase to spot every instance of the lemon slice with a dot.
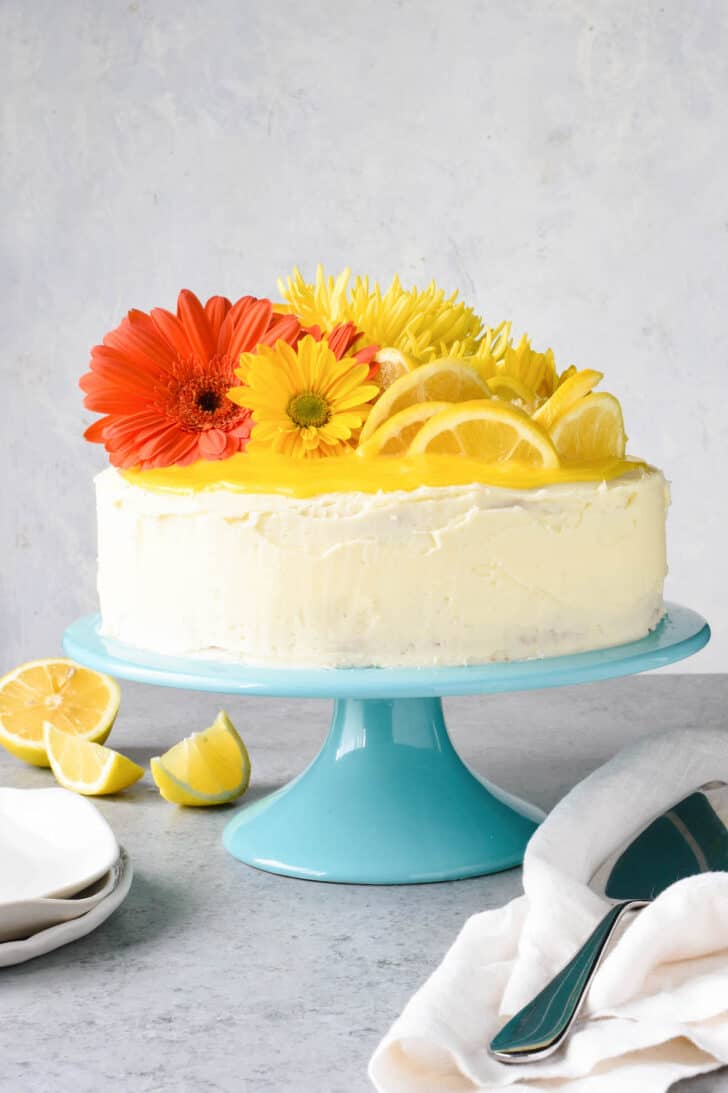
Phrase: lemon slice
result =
(71, 698)
(489, 430)
(441, 381)
(511, 389)
(88, 768)
(394, 436)
(573, 388)
(393, 363)
(207, 768)
(592, 428)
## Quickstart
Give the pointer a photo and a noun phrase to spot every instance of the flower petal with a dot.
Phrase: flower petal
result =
(95, 432)
(216, 309)
(172, 447)
(282, 328)
(250, 328)
(172, 330)
(212, 443)
(142, 344)
(197, 325)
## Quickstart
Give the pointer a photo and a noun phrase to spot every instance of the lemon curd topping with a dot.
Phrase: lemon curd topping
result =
(280, 474)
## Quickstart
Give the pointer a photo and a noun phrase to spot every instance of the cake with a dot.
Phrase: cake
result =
(355, 478)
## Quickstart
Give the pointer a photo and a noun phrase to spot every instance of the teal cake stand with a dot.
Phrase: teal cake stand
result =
(387, 800)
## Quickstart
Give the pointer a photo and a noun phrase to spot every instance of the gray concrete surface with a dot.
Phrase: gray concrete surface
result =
(215, 977)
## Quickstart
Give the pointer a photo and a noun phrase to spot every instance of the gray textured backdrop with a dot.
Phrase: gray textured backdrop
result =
(563, 164)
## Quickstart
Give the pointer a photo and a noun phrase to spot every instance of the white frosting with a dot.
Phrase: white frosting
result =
(435, 576)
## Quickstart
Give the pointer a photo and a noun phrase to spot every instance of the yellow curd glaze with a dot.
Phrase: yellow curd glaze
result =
(278, 474)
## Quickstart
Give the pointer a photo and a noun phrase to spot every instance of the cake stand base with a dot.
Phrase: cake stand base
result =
(386, 801)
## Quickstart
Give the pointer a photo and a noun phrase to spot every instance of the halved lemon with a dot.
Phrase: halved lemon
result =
(87, 768)
(394, 436)
(61, 692)
(393, 363)
(443, 380)
(208, 768)
(566, 394)
(593, 428)
(486, 429)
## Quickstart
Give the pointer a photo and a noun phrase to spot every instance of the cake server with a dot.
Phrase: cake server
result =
(690, 837)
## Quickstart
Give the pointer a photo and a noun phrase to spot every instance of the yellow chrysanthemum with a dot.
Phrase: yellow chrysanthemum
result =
(491, 346)
(424, 323)
(304, 401)
(322, 304)
(497, 356)
(535, 370)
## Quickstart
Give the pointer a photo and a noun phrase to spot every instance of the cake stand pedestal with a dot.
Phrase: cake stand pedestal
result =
(387, 800)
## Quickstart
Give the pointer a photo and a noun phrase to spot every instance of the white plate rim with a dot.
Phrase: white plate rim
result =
(45, 941)
(105, 840)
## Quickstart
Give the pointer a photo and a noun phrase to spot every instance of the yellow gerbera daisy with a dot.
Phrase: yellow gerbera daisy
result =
(424, 323)
(304, 401)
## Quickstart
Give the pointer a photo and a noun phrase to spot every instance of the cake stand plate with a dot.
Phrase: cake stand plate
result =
(387, 800)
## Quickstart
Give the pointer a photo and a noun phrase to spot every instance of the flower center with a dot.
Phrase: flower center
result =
(208, 400)
(308, 411)
(197, 395)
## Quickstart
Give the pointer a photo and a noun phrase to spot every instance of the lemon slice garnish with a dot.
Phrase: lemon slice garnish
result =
(593, 428)
(88, 768)
(207, 768)
(573, 388)
(60, 692)
(489, 430)
(393, 363)
(441, 381)
(511, 389)
(394, 436)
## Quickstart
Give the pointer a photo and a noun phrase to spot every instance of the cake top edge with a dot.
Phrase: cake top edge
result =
(380, 386)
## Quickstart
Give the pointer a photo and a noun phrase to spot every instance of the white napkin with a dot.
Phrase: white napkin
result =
(658, 1007)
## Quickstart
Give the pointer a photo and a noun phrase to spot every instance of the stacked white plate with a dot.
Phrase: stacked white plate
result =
(62, 872)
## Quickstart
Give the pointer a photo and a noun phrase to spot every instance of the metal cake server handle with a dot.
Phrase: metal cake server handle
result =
(689, 838)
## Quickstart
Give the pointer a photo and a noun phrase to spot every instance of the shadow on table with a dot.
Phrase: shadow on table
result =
(142, 755)
(255, 792)
(153, 907)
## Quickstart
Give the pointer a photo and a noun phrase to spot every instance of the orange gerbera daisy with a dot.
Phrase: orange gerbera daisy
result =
(161, 380)
(342, 339)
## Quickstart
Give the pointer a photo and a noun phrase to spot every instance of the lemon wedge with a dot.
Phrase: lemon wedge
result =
(574, 387)
(393, 363)
(441, 381)
(61, 692)
(486, 429)
(208, 768)
(87, 768)
(593, 428)
(394, 436)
